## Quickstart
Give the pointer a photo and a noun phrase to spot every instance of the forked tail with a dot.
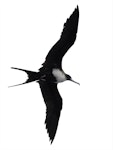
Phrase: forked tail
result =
(32, 76)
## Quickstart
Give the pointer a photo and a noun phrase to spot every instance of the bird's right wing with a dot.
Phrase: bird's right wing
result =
(66, 40)
(53, 103)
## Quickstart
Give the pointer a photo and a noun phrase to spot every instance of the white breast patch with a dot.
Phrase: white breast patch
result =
(59, 75)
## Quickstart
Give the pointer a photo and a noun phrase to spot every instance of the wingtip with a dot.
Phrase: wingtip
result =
(77, 8)
(51, 141)
(50, 138)
(76, 11)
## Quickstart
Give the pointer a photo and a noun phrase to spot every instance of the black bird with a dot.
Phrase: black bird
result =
(51, 73)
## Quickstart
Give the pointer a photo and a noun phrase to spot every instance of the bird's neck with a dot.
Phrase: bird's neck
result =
(59, 75)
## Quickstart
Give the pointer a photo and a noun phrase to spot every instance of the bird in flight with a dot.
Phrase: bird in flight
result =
(51, 73)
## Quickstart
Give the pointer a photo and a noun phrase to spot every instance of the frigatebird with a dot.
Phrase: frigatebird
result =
(51, 73)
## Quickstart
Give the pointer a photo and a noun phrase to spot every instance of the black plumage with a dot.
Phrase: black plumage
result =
(51, 73)
(67, 39)
(53, 103)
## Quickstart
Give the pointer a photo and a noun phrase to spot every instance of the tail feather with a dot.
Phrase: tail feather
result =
(32, 76)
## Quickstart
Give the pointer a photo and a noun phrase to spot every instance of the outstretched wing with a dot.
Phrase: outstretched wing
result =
(53, 103)
(66, 40)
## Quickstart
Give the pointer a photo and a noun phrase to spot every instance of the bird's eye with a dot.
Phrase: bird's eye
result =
(68, 77)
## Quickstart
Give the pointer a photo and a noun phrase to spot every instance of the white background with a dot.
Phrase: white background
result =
(29, 28)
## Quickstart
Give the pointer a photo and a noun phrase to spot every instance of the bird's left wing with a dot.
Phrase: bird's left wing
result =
(53, 103)
(66, 40)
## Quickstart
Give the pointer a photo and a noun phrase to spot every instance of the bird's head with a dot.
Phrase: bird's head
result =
(68, 77)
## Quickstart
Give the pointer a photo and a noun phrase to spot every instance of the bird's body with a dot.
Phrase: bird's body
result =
(59, 75)
(51, 73)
